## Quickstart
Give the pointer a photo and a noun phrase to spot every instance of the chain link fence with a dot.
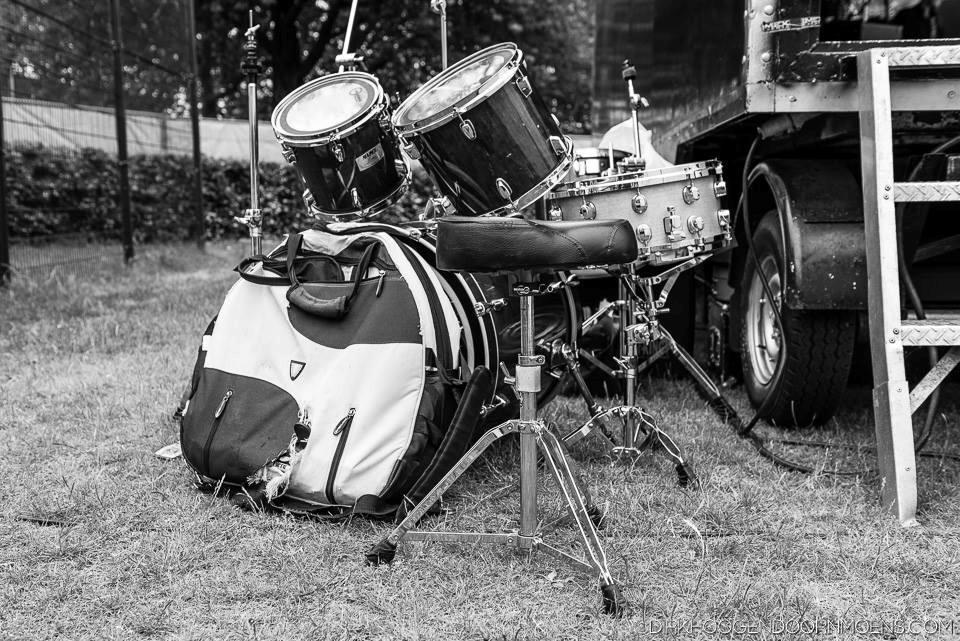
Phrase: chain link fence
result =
(95, 105)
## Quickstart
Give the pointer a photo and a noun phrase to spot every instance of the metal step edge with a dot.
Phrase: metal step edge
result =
(932, 332)
(917, 192)
(933, 56)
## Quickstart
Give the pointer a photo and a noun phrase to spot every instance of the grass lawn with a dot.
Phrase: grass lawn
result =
(101, 540)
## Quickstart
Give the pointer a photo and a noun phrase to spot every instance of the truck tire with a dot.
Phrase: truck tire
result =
(819, 343)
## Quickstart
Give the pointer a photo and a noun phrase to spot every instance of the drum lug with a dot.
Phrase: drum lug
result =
(720, 188)
(355, 195)
(503, 187)
(690, 192)
(723, 218)
(467, 128)
(559, 147)
(523, 84)
(337, 149)
(639, 203)
(556, 214)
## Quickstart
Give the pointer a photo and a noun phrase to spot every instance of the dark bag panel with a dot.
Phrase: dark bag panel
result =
(459, 436)
(235, 424)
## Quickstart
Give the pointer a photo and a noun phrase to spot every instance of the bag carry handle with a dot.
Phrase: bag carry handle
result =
(273, 263)
(331, 308)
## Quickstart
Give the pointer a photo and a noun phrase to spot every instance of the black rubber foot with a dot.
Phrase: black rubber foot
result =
(382, 552)
(613, 602)
(597, 517)
(686, 477)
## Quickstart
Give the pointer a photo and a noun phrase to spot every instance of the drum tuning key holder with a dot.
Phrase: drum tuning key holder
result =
(250, 67)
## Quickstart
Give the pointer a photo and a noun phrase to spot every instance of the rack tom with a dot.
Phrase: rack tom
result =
(485, 135)
(675, 211)
(336, 132)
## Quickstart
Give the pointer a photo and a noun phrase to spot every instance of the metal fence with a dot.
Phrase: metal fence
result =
(87, 87)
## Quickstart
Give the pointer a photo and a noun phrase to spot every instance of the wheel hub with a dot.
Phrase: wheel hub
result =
(763, 335)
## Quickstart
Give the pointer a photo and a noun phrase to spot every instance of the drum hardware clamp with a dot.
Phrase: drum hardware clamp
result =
(482, 309)
(409, 148)
(523, 84)
(558, 145)
(672, 225)
(588, 211)
(355, 196)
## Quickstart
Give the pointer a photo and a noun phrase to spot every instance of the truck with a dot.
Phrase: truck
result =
(834, 120)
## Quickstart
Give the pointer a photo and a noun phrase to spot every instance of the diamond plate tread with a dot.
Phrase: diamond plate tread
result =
(930, 332)
(924, 56)
(926, 192)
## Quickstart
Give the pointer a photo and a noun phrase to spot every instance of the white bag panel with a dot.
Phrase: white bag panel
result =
(381, 429)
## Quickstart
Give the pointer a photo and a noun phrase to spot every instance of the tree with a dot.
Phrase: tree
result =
(400, 41)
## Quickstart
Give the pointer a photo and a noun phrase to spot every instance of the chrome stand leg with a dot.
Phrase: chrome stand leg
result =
(628, 356)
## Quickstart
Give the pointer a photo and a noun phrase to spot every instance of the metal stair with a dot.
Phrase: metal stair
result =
(893, 401)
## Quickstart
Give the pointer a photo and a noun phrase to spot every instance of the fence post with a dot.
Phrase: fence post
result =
(200, 232)
(121, 120)
(4, 230)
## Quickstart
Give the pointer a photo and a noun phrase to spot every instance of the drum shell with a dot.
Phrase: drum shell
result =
(512, 143)
(663, 191)
(370, 165)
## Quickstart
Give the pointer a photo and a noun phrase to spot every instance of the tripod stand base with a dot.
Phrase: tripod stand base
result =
(646, 436)
(534, 435)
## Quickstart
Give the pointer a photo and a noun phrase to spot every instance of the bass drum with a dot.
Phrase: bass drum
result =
(493, 337)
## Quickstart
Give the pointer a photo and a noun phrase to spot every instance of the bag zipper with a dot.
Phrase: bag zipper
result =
(217, 416)
(342, 430)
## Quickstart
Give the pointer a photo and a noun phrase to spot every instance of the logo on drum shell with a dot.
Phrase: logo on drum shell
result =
(369, 158)
(296, 368)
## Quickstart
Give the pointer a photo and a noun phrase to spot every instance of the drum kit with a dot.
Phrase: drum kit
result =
(485, 136)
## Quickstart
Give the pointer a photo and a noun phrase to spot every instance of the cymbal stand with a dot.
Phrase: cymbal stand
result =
(250, 66)
(345, 58)
(534, 437)
(440, 6)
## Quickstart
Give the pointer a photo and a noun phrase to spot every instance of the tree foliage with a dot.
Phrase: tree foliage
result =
(62, 50)
(400, 42)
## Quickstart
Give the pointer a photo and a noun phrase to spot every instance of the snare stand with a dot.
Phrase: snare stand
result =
(639, 308)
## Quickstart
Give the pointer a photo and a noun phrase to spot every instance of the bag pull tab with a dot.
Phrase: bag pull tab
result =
(223, 404)
(345, 422)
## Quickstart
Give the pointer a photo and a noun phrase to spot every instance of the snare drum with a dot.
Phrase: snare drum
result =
(336, 131)
(675, 211)
(484, 134)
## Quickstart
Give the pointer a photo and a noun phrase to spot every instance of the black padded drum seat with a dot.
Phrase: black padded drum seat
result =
(490, 244)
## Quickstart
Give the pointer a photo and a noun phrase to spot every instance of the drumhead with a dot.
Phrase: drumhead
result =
(457, 86)
(334, 103)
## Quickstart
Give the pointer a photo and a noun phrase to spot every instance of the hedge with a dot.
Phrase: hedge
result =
(56, 192)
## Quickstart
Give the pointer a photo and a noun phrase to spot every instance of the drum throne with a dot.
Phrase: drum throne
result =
(494, 244)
